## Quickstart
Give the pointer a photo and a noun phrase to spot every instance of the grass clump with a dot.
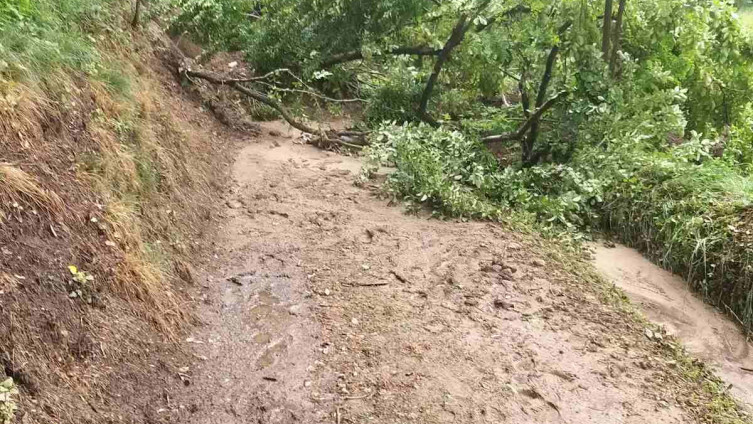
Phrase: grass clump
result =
(41, 39)
(19, 189)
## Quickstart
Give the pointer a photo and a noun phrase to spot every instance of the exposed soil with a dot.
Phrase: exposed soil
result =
(324, 303)
(665, 299)
(82, 352)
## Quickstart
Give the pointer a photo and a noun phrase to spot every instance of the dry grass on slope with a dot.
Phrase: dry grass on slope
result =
(120, 185)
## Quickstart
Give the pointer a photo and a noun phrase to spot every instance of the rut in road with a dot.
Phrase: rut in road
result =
(324, 304)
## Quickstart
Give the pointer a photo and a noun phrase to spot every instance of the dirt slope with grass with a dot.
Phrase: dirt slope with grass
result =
(106, 195)
(324, 303)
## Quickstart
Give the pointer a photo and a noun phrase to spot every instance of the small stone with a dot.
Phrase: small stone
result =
(501, 303)
(649, 334)
(295, 310)
(306, 383)
(354, 321)
(233, 204)
(327, 292)
(185, 271)
(538, 263)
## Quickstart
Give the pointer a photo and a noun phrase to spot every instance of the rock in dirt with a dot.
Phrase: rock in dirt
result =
(649, 334)
(242, 278)
(538, 263)
(185, 272)
(295, 310)
(501, 303)
(471, 302)
(234, 204)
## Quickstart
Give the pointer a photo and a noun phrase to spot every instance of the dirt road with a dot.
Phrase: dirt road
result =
(324, 304)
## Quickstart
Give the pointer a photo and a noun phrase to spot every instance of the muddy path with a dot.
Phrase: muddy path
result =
(323, 303)
(666, 299)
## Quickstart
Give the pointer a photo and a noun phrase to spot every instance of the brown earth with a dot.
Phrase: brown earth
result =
(323, 303)
(122, 188)
(666, 299)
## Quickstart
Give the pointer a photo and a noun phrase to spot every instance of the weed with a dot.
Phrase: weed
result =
(7, 402)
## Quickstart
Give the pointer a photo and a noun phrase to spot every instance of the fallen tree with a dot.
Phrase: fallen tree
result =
(322, 137)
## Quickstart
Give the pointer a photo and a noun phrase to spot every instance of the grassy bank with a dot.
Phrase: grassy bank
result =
(105, 189)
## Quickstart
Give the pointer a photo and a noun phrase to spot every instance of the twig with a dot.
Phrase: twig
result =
(311, 93)
(335, 398)
(257, 79)
(377, 284)
(366, 396)
(400, 277)
(739, 321)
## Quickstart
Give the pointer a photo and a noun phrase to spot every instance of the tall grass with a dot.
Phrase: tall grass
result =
(694, 220)
(40, 38)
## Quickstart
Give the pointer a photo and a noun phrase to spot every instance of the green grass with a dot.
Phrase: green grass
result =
(39, 38)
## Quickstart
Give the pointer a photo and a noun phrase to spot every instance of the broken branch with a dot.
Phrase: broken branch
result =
(262, 98)
(398, 51)
(535, 117)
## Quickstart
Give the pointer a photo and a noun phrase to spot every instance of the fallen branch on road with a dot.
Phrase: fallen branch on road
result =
(325, 138)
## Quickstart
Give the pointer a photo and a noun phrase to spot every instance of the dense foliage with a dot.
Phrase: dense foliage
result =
(630, 116)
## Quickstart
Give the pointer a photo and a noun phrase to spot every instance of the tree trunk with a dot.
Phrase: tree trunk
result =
(528, 132)
(533, 133)
(358, 55)
(136, 14)
(606, 29)
(526, 126)
(617, 43)
(458, 33)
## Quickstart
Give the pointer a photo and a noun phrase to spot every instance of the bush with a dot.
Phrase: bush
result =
(395, 98)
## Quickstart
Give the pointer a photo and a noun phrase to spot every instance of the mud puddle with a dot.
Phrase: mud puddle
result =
(666, 300)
